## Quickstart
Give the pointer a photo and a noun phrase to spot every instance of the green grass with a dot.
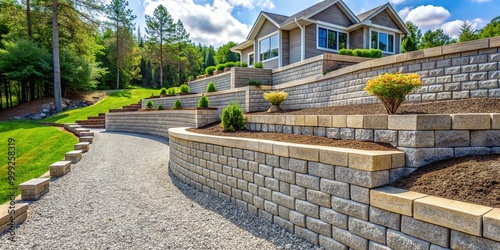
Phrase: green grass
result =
(115, 100)
(37, 146)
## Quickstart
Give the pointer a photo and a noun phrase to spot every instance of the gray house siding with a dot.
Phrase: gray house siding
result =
(356, 39)
(285, 48)
(270, 64)
(333, 15)
(311, 41)
(267, 28)
(397, 44)
(295, 48)
(384, 19)
(245, 52)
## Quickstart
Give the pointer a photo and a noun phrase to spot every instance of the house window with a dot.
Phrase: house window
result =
(250, 59)
(331, 39)
(383, 41)
(268, 48)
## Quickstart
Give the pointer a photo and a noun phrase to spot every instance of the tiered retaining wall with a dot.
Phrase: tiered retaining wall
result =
(313, 66)
(236, 77)
(424, 138)
(250, 99)
(222, 81)
(462, 70)
(158, 122)
(329, 196)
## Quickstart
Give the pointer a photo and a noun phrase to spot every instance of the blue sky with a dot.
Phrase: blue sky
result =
(215, 22)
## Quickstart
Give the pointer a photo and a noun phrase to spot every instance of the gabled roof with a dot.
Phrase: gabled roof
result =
(366, 16)
(363, 16)
(317, 8)
(279, 19)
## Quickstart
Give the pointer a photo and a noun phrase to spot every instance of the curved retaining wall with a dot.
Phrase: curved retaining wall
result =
(329, 196)
(424, 138)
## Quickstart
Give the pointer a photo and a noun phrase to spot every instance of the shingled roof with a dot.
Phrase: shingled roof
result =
(363, 16)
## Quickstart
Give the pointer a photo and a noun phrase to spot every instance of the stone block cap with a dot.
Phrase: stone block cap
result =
(4, 211)
(60, 163)
(33, 183)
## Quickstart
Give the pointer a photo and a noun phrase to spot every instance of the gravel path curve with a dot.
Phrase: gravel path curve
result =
(122, 196)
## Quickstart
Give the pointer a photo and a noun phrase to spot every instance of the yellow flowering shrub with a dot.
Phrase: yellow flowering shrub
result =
(275, 97)
(392, 89)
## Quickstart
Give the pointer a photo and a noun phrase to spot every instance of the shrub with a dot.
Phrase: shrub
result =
(211, 87)
(160, 107)
(210, 70)
(275, 97)
(370, 53)
(203, 102)
(232, 118)
(230, 64)
(184, 88)
(255, 82)
(150, 105)
(190, 78)
(244, 64)
(258, 65)
(163, 91)
(170, 91)
(392, 89)
(177, 104)
(347, 52)
(220, 67)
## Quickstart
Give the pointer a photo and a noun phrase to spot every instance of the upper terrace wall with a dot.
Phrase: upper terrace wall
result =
(462, 70)
(222, 81)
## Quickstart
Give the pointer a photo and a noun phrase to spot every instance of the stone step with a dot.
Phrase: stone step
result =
(72, 127)
(73, 156)
(33, 189)
(83, 146)
(95, 126)
(20, 215)
(96, 118)
(87, 134)
(88, 139)
(78, 131)
(60, 168)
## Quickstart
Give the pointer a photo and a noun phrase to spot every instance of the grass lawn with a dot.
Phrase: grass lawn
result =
(37, 146)
(116, 99)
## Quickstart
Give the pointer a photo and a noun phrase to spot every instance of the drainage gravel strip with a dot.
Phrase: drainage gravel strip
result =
(122, 196)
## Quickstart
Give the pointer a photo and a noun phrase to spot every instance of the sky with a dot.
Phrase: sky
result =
(216, 22)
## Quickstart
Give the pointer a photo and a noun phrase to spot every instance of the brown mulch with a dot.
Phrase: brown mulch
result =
(473, 179)
(472, 105)
(216, 129)
(32, 107)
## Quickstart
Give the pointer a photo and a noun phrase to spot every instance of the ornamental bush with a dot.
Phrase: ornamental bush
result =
(221, 67)
(190, 78)
(203, 102)
(244, 64)
(210, 70)
(370, 53)
(230, 64)
(211, 87)
(184, 88)
(170, 91)
(392, 89)
(160, 107)
(258, 65)
(163, 91)
(150, 105)
(232, 118)
(255, 82)
(275, 97)
(177, 104)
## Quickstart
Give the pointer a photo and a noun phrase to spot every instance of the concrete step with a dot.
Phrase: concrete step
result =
(88, 139)
(33, 189)
(20, 212)
(83, 146)
(73, 156)
(60, 168)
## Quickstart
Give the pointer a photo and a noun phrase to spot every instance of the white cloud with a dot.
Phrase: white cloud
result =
(210, 24)
(426, 17)
(398, 1)
(452, 28)
(480, 1)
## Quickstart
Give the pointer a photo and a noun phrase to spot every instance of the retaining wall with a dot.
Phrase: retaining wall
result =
(329, 196)
(424, 138)
(158, 122)
(250, 99)
(222, 81)
(462, 70)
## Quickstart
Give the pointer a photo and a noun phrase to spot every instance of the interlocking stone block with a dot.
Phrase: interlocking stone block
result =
(321, 170)
(375, 121)
(20, 215)
(331, 244)
(419, 122)
(485, 138)
(299, 120)
(311, 120)
(88, 139)
(367, 230)
(283, 223)
(318, 198)
(457, 215)
(394, 199)
(349, 207)
(336, 188)
(333, 217)
(87, 134)
(333, 133)
(360, 194)
(385, 218)
(299, 166)
(33, 189)
(307, 181)
(426, 231)
(386, 136)
(325, 121)
(319, 226)
(347, 133)
(463, 241)
(376, 246)
(417, 157)
(398, 240)
(304, 152)
(307, 208)
(471, 121)
(334, 157)
(495, 121)
(364, 134)
(60, 168)
(355, 121)
(284, 200)
(271, 207)
(73, 156)
(452, 138)
(349, 239)
(297, 218)
(416, 139)
(370, 161)
(307, 235)
(83, 146)
(362, 178)
(491, 225)
(459, 152)
(284, 175)
(78, 131)
(339, 121)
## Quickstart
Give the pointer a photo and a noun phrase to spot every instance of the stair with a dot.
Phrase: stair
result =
(100, 120)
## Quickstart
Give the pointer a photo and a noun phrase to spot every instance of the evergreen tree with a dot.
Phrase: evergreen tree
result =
(224, 54)
(491, 29)
(434, 39)
(411, 41)
(467, 33)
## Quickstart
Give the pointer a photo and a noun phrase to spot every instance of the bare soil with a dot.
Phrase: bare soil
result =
(473, 179)
(472, 105)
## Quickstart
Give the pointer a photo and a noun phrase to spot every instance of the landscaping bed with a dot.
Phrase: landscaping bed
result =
(472, 105)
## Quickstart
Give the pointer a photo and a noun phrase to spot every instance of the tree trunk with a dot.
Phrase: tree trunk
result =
(55, 54)
(161, 56)
(32, 89)
(24, 91)
(117, 58)
(7, 94)
(28, 18)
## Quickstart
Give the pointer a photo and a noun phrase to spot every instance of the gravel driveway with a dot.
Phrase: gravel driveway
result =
(122, 196)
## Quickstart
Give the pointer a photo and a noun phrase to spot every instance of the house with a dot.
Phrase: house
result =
(278, 40)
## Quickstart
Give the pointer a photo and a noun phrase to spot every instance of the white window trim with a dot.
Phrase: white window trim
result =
(332, 29)
(248, 59)
(386, 32)
(263, 38)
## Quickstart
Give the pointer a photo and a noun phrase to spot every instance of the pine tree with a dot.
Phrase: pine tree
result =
(411, 41)
(467, 33)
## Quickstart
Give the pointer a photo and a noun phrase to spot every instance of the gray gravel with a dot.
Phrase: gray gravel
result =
(122, 196)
